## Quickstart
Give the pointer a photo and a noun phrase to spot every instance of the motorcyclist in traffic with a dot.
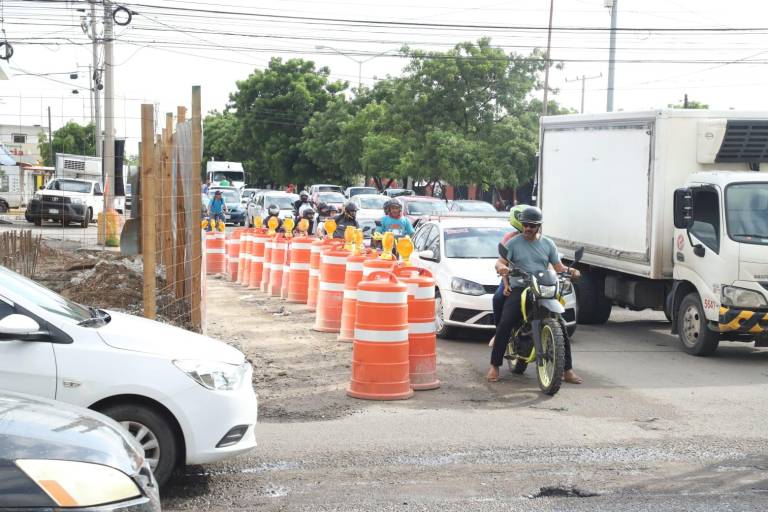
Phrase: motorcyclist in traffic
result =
(394, 221)
(274, 211)
(347, 217)
(531, 252)
(302, 201)
(309, 214)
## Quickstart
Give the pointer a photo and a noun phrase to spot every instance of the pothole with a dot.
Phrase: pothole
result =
(563, 492)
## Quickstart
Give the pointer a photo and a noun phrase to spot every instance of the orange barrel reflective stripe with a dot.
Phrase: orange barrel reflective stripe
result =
(314, 273)
(330, 290)
(380, 367)
(258, 247)
(244, 259)
(422, 340)
(233, 253)
(279, 247)
(266, 264)
(360, 269)
(215, 257)
(298, 283)
(286, 270)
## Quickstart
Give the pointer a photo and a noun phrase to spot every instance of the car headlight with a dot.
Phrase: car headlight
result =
(37, 196)
(466, 287)
(77, 200)
(741, 297)
(214, 375)
(547, 291)
(79, 484)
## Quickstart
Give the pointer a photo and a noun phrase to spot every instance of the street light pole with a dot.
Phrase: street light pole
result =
(583, 79)
(94, 84)
(613, 5)
(359, 62)
(546, 69)
(109, 119)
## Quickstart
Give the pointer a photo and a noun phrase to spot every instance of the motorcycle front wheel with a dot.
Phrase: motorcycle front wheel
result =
(550, 369)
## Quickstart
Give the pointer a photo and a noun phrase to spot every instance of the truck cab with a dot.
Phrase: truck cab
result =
(66, 200)
(721, 259)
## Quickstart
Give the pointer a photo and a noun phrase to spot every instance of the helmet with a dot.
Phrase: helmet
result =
(392, 203)
(308, 213)
(273, 209)
(350, 209)
(531, 215)
(304, 194)
(514, 216)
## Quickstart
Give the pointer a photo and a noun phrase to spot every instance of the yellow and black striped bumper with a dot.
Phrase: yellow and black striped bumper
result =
(742, 320)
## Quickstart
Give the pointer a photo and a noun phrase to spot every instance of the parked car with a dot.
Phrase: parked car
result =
(231, 196)
(397, 192)
(314, 189)
(369, 206)
(186, 398)
(418, 207)
(469, 205)
(353, 191)
(55, 456)
(259, 205)
(461, 253)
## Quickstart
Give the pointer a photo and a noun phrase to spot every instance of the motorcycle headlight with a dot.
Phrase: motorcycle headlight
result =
(466, 287)
(79, 484)
(547, 291)
(214, 375)
(741, 297)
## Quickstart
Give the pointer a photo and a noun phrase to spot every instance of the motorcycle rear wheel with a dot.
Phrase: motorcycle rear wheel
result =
(550, 372)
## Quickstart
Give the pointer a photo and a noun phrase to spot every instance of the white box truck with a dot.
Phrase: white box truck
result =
(232, 172)
(672, 210)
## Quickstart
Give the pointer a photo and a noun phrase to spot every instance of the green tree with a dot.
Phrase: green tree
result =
(689, 104)
(272, 107)
(71, 138)
(221, 131)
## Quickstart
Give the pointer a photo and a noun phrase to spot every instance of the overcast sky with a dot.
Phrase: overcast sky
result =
(171, 45)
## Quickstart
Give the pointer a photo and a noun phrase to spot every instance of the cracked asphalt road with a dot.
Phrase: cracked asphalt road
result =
(651, 429)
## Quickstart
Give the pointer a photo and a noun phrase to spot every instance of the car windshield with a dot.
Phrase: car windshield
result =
(746, 212)
(328, 188)
(282, 202)
(474, 242)
(361, 190)
(426, 207)
(330, 197)
(19, 286)
(475, 206)
(373, 203)
(70, 186)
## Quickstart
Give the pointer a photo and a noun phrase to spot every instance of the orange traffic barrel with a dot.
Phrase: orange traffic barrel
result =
(266, 266)
(330, 289)
(256, 257)
(232, 245)
(279, 246)
(380, 367)
(358, 267)
(286, 270)
(298, 283)
(215, 253)
(422, 340)
(314, 273)
(244, 259)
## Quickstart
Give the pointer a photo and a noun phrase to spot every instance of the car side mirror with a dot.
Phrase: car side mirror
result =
(20, 327)
(683, 208)
(98, 193)
(427, 255)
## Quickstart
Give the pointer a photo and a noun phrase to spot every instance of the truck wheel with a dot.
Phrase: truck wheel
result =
(153, 432)
(86, 219)
(594, 306)
(3, 207)
(38, 221)
(695, 336)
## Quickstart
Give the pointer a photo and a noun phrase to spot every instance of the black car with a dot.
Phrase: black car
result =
(54, 455)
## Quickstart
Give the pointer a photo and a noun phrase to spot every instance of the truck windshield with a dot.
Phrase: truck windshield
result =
(228, 175)
(82, 187)
(746, 211)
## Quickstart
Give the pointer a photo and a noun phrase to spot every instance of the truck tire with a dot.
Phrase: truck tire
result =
(37, 220)
(594, 306)
(694, 334)
(86, 218)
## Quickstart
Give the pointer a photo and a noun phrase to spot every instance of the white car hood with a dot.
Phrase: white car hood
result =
(138, 334)
(480, 271)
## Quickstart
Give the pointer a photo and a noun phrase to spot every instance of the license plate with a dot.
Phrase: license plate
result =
(227, 217)
(53, 210)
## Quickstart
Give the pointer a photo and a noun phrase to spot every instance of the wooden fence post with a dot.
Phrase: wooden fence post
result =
(197, 132)
(148, 214)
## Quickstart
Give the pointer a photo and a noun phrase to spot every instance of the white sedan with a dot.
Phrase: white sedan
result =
(186, 398)
(461, 253)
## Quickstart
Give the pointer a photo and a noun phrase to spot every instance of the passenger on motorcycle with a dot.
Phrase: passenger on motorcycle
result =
(532, 253)
(347, 217)
(274, 211)
(306, 212)
(393, 220)
(301, 202)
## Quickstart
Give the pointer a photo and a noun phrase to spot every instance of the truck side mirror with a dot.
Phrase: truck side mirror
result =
(683, 208)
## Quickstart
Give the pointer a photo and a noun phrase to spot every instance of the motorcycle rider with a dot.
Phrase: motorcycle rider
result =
(347, 217)
(394, 221)
(532, 253)
(309, 214)
(274, 211)
(302, 201)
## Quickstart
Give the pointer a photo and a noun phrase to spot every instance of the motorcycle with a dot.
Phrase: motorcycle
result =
(542, 337)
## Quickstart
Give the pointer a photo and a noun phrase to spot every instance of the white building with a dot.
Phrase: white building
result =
(21, 142)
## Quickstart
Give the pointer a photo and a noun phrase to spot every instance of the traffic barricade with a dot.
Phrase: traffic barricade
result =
(232, 246)
(358, 267)
(266, 263)
(286, 270)
(380, 364)
(330, 289)
(244, 258)
(298, 283)
(215, 252)
(258, 247)
(422, 340)
(279, 246)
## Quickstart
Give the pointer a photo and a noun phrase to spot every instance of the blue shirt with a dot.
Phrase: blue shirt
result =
(215, 206)
(398, 227)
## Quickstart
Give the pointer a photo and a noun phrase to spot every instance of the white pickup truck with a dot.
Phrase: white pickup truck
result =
(67, 200)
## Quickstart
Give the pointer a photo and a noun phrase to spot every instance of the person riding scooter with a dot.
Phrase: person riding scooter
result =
(347, 217)
(393, 220)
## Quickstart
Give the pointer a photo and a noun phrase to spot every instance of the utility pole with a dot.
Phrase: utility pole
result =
(583, 79)
(546, 69)
(613, 5)
(94, 81)
(50, 139)
(109, 119)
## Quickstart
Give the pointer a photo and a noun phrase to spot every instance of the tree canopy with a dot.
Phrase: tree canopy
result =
(71, 138)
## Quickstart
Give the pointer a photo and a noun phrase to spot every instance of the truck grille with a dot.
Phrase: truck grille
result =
(56, 200)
